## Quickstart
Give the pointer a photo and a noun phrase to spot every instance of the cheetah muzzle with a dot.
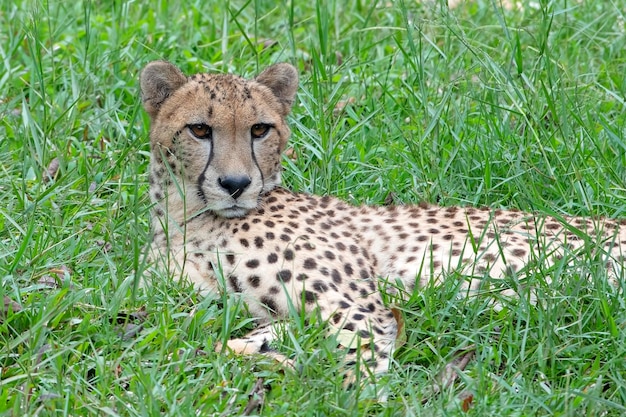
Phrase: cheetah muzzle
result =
(219, 210)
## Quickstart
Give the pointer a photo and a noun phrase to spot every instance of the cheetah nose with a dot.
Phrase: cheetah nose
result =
(235, 185)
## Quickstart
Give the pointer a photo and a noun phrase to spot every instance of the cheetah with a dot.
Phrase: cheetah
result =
(221, 220)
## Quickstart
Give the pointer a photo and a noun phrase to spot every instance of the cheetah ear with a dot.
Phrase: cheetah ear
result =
(158, 80)
(282, 79)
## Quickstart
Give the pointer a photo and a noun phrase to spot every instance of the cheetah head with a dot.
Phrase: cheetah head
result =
(219, 137)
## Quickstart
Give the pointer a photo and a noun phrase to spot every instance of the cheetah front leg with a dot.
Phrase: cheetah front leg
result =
(258, 341)
(364, 329)
(368, 345)
(369, 342)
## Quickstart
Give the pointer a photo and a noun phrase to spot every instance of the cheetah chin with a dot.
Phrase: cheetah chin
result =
(219, 211)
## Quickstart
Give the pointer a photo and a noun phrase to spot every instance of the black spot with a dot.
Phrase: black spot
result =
(230, 258)
(285, 238)
(272, 258)
(234, 283)
(309, 297)
(364, 334)
(244, 243)
(320, 286)
(337, 318)
(310, 263)
(284, 275)
(348, 269)
(302, 277)
(269, 235)
(252, 263)
(349, 327)
(329, 255)
(269, 223)
(336, 276)
(274, 290)
(358, 316)
(258, 242)
(269, 303)
(288, 254)
(254, 280)
(265, 347)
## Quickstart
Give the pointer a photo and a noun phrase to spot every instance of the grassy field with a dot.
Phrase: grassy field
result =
(400, 101)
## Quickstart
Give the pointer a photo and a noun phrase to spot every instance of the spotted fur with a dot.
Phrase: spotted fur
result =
(216, 143)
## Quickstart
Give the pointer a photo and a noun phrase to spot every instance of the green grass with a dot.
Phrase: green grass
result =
(408, 100)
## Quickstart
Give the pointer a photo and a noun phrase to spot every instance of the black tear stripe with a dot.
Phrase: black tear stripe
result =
(280, 140)
(202, 177)
(256, 163)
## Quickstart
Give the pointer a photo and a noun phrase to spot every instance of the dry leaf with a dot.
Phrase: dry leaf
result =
(267, 43)
(291, 154)
(342, 104)
(130, 330)
(105, 246)
(400, 334)
(61, 271)
(467, 398)
(9, 305)
(51, 172)
(55, 277)
(130, 324)
(391, 199)
(451, 371)
(49, 281)
(255, 398)
(339, 57)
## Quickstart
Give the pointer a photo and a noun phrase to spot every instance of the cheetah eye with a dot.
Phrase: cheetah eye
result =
(200, 130)
(259, 130)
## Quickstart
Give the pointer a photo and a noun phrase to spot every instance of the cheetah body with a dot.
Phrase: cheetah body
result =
(222, 220)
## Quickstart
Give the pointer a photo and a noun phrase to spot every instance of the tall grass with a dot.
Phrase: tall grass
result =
(403, 101)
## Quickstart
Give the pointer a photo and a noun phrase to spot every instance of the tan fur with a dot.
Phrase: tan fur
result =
(281, 249)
